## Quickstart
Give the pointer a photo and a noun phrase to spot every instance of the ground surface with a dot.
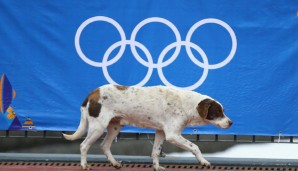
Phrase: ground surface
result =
(70, 162)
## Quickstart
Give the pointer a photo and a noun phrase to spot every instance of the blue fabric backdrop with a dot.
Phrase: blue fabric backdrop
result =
(243, 53)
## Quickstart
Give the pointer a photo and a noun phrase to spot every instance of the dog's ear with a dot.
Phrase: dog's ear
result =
(203, 107)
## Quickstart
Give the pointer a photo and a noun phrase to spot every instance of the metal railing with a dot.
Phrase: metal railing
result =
(145, 136)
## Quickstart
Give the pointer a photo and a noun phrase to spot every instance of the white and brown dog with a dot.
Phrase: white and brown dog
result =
(167, 110)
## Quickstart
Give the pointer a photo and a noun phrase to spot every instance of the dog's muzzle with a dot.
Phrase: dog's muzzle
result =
(224, 123)
(230, 123)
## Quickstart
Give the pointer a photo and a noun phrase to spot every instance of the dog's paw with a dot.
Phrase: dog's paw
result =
(117, 165)
(86, 167)
(204, 162)
(159, 168)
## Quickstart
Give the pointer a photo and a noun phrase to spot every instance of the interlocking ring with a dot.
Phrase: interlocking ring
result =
(78, 46)
(224, 25)
(198, 49)
(151, 20)
(127, 42)
(160, 63)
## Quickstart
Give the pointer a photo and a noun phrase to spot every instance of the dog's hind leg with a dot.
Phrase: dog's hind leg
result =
(158, 141)
(113, 130)
(92, 136)
(97, 126)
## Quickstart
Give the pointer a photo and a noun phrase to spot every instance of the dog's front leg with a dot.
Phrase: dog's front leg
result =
(183, 143)
(158, 141)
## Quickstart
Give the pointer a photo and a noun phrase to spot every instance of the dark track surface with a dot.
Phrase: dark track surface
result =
(128, 167)
(66, 162)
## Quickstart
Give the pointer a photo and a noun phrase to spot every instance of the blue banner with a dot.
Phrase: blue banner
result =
(242, 53)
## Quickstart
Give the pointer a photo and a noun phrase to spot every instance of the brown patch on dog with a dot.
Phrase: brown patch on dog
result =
(95, 95)
(203, 107)
(84, 104)
(121, 88)
(94, 106)
(115, 120)
(210, 109)
(215, 111)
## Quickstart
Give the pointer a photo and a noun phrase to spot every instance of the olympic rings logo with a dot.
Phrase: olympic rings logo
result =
(160, 63)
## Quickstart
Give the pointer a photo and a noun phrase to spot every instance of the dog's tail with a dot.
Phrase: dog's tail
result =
(82, 127)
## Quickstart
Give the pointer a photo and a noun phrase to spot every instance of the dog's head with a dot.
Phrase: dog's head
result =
(212, 112)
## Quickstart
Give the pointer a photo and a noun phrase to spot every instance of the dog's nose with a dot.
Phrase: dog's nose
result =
(230, 123)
